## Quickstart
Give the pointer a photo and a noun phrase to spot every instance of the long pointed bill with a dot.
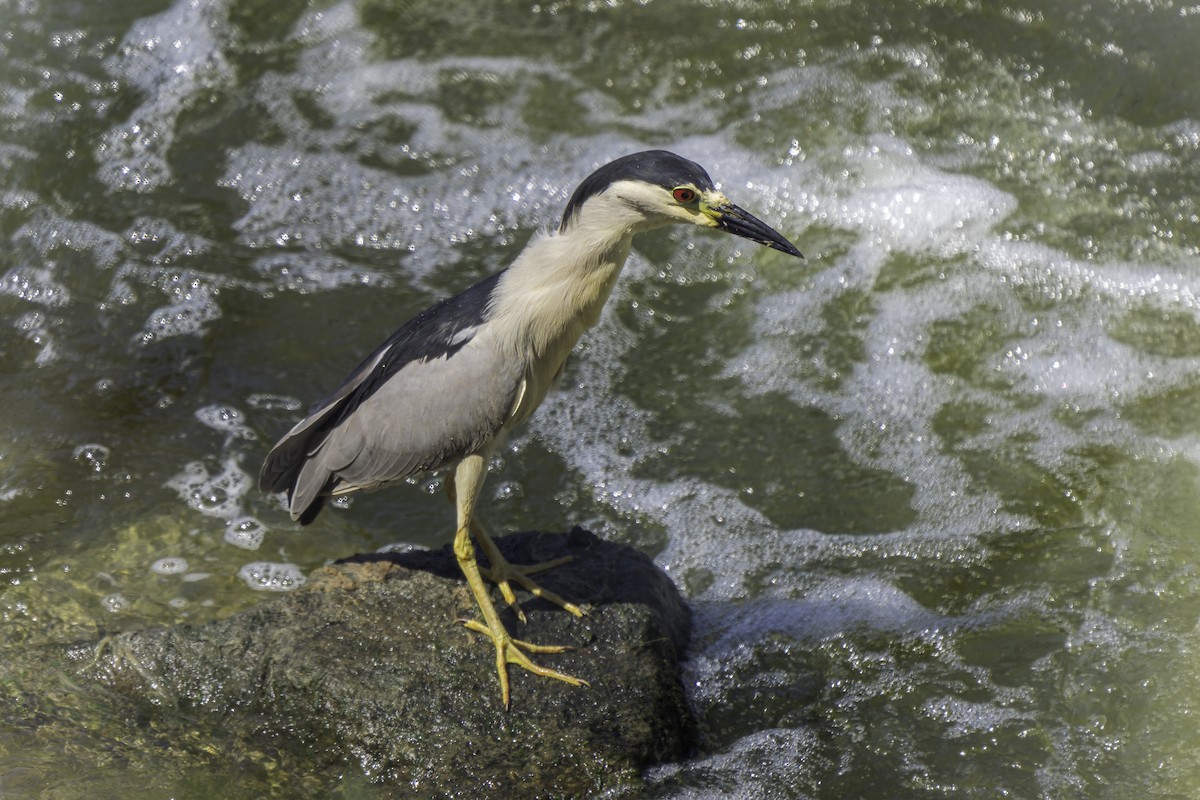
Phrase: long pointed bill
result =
(742, 223)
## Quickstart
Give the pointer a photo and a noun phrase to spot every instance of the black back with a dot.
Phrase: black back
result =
(435, 333)
(439, 331)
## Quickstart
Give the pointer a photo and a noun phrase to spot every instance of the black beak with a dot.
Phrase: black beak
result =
(742, 223)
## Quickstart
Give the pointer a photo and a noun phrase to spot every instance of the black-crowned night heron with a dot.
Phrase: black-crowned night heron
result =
(449, 385)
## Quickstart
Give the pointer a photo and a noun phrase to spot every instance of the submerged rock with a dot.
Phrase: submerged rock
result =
(364, 664)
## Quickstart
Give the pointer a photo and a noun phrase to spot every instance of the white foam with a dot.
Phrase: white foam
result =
(50, 235)
(332, 24)
(833, 606)
(35, 285)
(1150, 161)
(963, 717)
(33, 325)
(12, 155)
(197, 306)
(53, 253)
(267, 576)
(887, 407)
(18, 200)
(317, 193)
(420, 196)
(218, 495)
(171, 57)
(902, 204)
(273, 402)
(330, 199)
(226, 419)
(159, 242)
(245, 532)
(753, 768)
(300, 271)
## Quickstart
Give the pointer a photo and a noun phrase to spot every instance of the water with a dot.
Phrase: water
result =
(932, 492)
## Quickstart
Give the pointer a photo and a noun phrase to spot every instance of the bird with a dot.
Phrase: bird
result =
(443, 392)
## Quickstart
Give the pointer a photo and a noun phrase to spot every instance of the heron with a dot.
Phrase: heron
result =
(443, 392)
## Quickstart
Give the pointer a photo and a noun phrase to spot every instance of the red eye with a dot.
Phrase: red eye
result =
(683, 195)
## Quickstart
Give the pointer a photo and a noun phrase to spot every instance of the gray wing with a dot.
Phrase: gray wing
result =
(434, 392)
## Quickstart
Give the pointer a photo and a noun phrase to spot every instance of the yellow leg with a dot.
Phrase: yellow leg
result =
(501, 572)
(468, 477)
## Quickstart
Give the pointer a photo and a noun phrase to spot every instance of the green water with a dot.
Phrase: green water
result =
(933, 492)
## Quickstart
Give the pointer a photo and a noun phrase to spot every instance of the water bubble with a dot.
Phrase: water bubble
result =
(169, 566)
(226, 419)
(212, 495)
(35, 285)
(114, 602)
(92, 456)
(509, 490)
(34, 326)
(132, 155)
(189, 316)
(245, 532)
(273, 402)
(266, 576)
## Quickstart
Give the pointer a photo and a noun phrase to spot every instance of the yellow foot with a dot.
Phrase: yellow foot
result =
(512, 651)
(501, 573)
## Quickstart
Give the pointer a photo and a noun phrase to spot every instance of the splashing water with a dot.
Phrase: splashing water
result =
(930, 492)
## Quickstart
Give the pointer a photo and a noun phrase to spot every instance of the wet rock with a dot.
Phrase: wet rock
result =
(364, 664)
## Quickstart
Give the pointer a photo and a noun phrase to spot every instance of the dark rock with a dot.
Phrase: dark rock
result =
(364, 664)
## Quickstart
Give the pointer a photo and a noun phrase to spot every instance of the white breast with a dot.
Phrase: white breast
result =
(544, 303)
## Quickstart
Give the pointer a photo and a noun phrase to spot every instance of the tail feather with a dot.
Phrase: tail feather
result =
(310, 513)
(306, 495)
(290, 467)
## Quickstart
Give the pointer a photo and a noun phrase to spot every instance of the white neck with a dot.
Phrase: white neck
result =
(559, 283)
